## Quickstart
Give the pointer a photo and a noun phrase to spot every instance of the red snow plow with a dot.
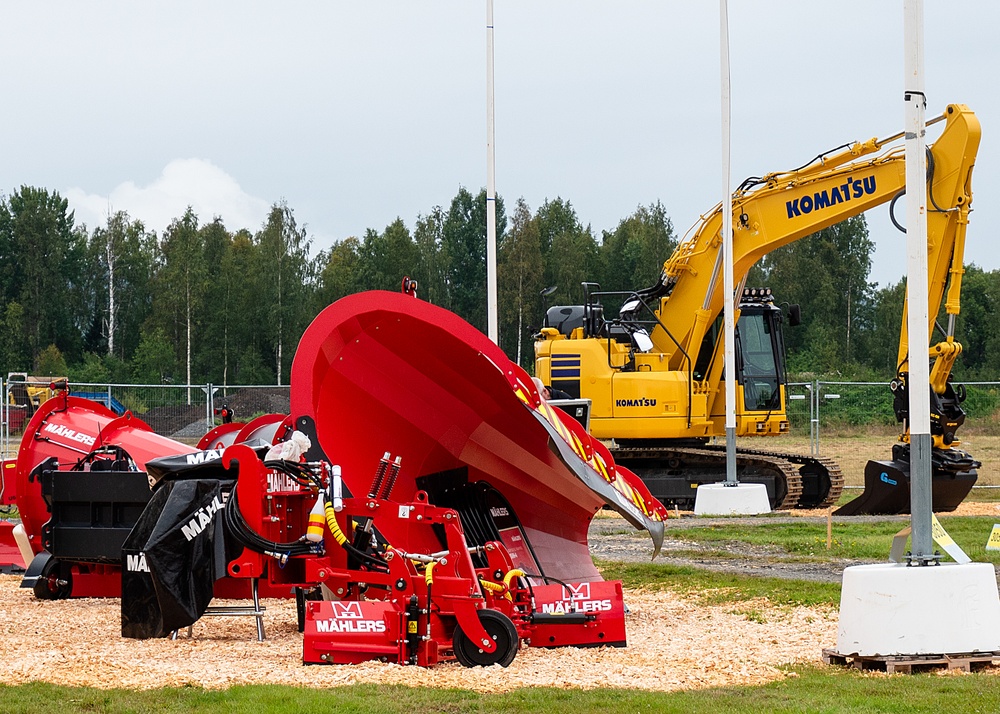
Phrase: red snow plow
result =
(484, 543)
(93, 459)
(383, 372)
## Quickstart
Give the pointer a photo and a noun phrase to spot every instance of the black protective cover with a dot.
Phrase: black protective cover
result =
(172, 558)
(198, 464)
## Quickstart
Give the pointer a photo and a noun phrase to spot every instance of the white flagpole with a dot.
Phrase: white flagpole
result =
(727, 249)
(917, 319)
(493, 329)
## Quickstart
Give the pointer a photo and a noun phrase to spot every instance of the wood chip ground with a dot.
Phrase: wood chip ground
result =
(673, 644)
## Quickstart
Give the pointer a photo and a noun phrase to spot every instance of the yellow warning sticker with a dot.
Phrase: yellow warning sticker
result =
(941, 537)
(994, 540)
(939, 534)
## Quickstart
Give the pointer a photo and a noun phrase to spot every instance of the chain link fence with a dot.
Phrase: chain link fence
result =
(849, 422)
(181, 412)
(853, 423)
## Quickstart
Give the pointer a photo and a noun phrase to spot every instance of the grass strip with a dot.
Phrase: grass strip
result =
(709, 587)
(862, 541)
(808, 689)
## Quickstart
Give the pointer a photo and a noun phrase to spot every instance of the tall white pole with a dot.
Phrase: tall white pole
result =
(917, 320)
(727, 249)
(493, 329)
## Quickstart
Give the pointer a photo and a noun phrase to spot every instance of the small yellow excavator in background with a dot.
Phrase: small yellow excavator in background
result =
(654, 372)
(25, 393)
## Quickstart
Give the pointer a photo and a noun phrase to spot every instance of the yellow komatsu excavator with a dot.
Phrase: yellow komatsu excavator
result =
(654, 372)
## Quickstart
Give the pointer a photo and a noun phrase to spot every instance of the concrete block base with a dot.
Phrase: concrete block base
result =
(892, 609)
(743, 499)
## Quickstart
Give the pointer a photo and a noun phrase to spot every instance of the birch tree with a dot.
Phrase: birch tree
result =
(519, 258)
(283, 276)
(182, 283)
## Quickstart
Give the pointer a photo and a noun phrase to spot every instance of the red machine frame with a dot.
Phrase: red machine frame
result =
(417, 606)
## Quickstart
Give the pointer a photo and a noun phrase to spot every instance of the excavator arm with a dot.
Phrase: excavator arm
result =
(780, 208)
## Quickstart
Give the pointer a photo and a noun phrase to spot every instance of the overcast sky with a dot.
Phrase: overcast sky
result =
(357, 113)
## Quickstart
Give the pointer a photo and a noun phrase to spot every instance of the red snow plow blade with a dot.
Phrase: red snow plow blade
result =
(381, 372)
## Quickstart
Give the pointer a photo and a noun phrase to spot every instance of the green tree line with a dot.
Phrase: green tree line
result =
(205, 302)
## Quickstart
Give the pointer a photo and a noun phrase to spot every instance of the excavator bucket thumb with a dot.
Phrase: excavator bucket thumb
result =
(887, 490)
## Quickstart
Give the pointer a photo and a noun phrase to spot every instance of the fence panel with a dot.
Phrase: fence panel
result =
(799, 407)
(855, 404)
(249, 401)
(980, 435)
(181, 412)
(856, 424)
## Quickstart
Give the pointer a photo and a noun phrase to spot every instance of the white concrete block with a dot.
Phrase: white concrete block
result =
(743, 499)
(891, 609)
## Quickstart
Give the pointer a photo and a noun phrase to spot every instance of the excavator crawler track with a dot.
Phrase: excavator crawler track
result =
(792, 480)
(822, 479)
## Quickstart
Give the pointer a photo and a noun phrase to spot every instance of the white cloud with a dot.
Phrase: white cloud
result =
(198, 183)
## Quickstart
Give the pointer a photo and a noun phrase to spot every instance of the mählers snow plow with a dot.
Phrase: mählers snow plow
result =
(472, 537)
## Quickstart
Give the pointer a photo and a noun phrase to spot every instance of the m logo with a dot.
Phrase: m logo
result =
(577, 597)
(576, 591)
(347, 610)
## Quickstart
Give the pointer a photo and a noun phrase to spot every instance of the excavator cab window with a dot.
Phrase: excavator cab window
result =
(759, 349)
(704, 360)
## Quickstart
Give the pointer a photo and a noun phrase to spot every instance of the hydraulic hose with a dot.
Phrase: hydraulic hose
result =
(491, 586)
(511, 574)
(338, 535)
(249, 538)
(429, 579)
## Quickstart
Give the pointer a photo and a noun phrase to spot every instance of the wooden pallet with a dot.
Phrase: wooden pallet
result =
(907, 664)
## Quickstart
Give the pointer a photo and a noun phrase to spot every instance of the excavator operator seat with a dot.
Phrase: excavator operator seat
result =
(565, 318)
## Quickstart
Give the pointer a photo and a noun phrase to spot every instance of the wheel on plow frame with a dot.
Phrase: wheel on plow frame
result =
(499, 627)
(52, 583)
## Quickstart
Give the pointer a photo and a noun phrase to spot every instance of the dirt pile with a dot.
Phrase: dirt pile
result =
(250, 402)
(187, 421)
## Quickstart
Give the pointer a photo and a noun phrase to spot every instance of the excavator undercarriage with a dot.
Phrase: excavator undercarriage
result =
(673, 473)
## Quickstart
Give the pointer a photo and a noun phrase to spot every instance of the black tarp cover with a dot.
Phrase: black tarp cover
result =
(197, 464)
(172, 558)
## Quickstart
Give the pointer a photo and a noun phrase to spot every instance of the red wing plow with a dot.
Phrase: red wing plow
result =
(382, 372)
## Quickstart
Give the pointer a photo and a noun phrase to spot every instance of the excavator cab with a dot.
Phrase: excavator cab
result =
(760, 352)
